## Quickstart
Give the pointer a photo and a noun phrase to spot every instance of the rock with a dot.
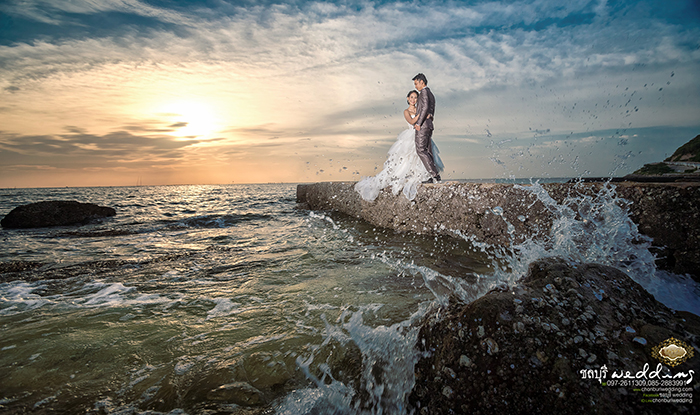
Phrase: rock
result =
(54, 213)
(689, 151)
(264, 370)
(536, 370)
(240, 393)
(493, 213)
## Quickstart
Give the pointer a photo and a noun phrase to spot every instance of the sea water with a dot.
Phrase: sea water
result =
(190, 288)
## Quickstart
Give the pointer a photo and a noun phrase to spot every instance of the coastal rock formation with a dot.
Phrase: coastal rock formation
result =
(501, 214)
(682, 166)
(689, 152)
(54, 213)
(523, 350)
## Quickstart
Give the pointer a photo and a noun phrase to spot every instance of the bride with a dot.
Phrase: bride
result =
(403, 169)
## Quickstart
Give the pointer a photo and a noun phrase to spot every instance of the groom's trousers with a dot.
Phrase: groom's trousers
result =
(424, 148)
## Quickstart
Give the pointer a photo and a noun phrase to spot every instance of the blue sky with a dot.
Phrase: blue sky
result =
(107, 92)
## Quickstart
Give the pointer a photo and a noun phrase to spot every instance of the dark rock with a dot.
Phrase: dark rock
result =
(521, 351)
(54, 213)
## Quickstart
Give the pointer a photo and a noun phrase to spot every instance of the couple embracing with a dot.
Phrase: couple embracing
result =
(414, 158)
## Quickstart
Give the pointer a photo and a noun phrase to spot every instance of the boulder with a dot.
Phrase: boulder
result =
(522, 350)
(54, 213)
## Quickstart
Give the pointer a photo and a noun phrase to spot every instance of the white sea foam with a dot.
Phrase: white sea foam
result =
(17, 297)
(224, 307)
(442, 286)
(110, 295)
(326, 218)
(598, 229)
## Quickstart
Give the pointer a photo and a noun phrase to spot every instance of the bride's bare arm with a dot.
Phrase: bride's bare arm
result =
(407, 116)
(412, 121)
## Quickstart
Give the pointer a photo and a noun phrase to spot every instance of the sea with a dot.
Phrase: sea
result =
(214, 299)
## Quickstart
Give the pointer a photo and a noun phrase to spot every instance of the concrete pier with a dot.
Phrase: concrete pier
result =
(495, 213)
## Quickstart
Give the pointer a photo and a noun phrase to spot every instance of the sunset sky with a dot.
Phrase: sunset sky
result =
(120, 92)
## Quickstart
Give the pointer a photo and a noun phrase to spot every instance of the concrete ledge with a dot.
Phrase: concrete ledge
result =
(667, 212)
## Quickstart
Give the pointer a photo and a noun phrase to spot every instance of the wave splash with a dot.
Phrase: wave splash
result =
(596, 228)
(383, 383)
(586, 228)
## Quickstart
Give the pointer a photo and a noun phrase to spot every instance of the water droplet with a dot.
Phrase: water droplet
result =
(640, 340)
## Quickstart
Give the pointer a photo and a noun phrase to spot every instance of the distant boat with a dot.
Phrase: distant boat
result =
(139, 182)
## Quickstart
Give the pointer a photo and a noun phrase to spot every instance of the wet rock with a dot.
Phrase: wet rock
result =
(264, 370)
(54, 213)
(490, 345)
(667, 212)
(447, 392)
(240, 393)
(537, 370)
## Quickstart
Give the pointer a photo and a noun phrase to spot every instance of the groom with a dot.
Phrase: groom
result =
(425, 111)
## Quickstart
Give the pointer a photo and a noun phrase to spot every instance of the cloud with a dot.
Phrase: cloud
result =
(465, 47)
(55, 12)
(337, 74)
(94, 149)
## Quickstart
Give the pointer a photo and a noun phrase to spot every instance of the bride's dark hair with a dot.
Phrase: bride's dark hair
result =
(409, 94)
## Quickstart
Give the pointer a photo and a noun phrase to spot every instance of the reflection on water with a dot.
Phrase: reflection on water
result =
(190, 288)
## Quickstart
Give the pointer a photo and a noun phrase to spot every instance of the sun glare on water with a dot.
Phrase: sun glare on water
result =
(190, 119)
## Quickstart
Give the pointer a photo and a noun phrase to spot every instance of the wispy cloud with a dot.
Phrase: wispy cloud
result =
(337, 73)
(56, 12)
(119, 145)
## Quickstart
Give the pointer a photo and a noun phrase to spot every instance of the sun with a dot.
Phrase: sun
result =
(190, 119)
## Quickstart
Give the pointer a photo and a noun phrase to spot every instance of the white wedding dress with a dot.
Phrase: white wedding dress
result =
(403, 169)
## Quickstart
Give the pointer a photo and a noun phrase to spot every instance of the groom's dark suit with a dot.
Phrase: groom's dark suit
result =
(424, 147)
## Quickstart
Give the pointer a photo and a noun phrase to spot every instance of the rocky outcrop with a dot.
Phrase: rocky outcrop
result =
(500, 213)
(54, 213)
(521, 351)
(670, 215)
(683, 165)
(689, 151)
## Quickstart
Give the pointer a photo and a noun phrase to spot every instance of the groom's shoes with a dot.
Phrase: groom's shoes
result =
(435, 179)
